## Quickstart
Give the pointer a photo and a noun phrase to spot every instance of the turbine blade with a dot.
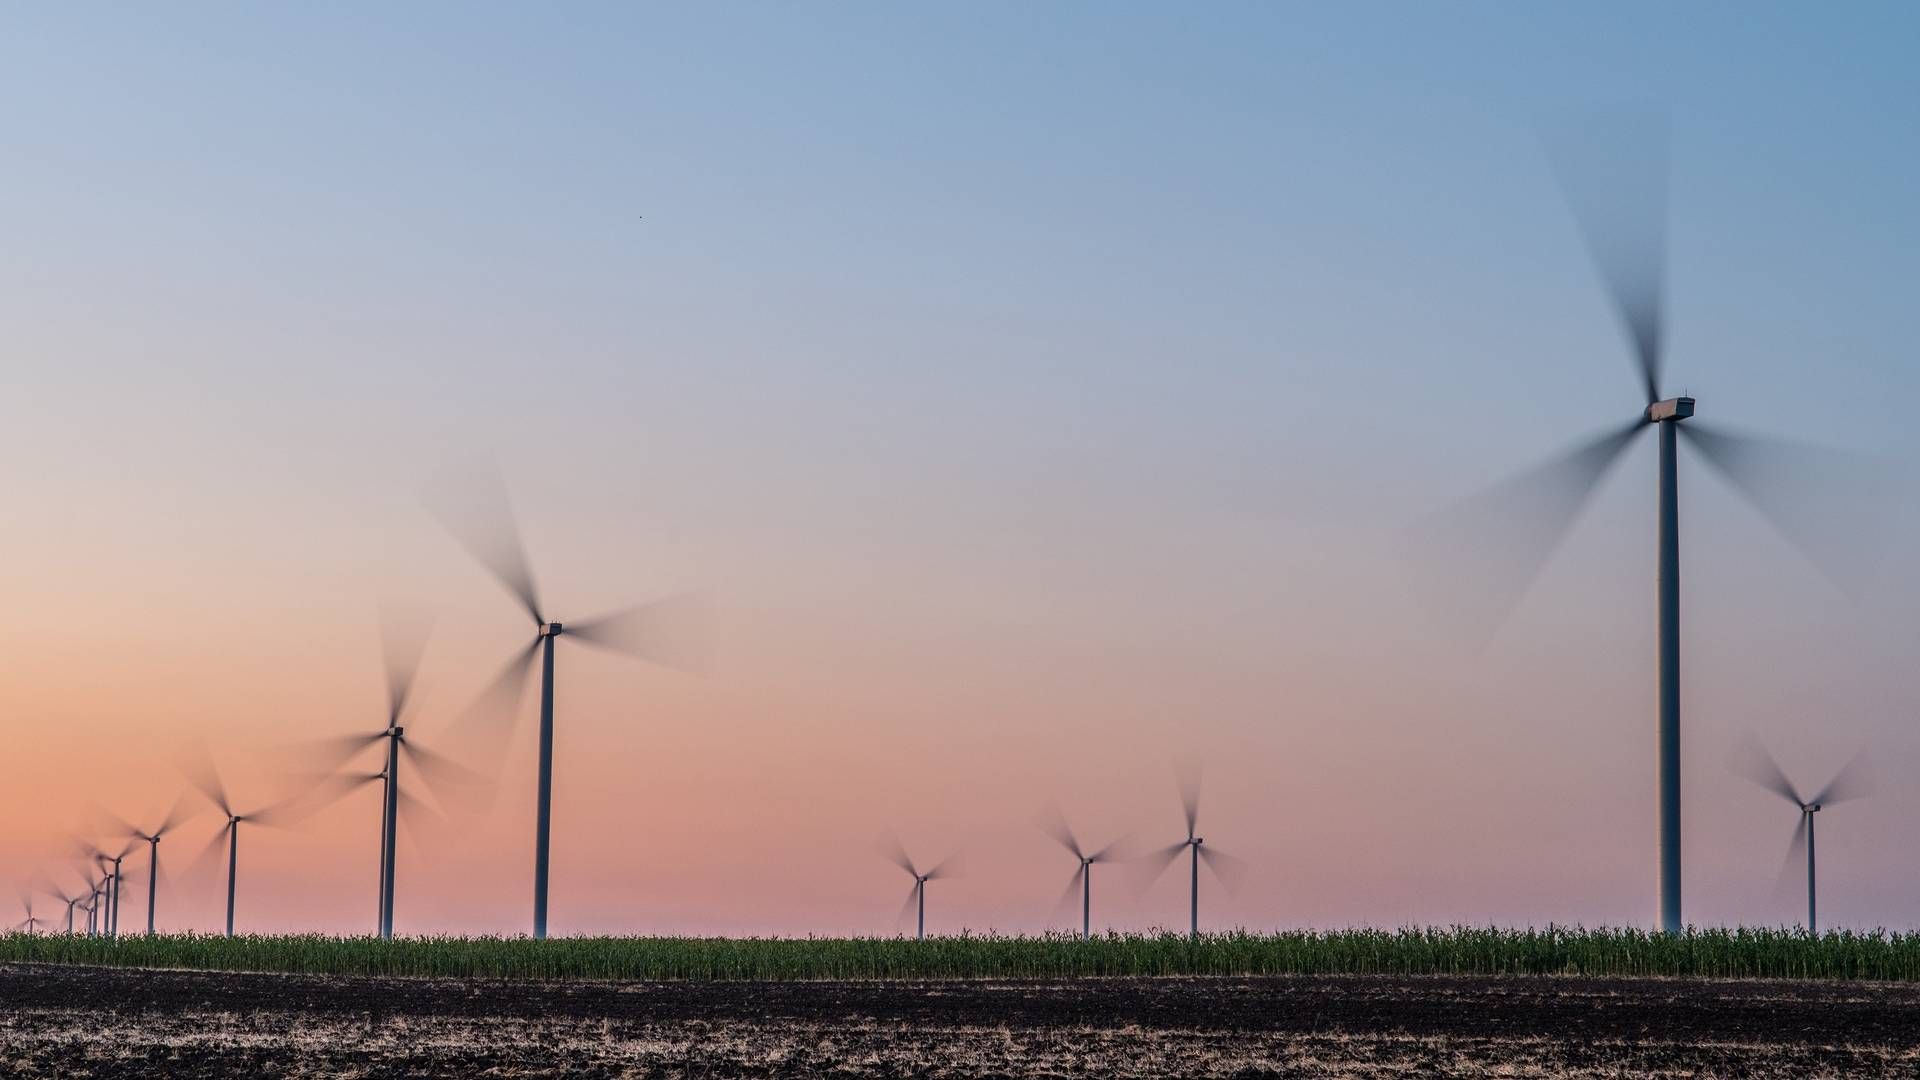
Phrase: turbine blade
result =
(1816, 498)
(403, 642)
(451, 782)
(951, 866)
(1121, 850)
(895, 852)
(1751, 760)
(1496, 542)
(489, 722)
(1792, 880)
(1189, 780)
(418, 814)
(331, 753)
(113, 825)
(318, 793)
(183, 811)
(1054, 824)
(1853, 781)
(472, 505)
(1613, 173)
(1230, 869)
(905, 918)
(673, 631)
(214, 845)
(1069, 897)
(1155, 863)
(196, 764)
(160, 871)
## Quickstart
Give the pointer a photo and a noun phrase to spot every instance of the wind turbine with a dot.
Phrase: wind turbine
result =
(917, 896)
(1055, 825)
(176, 817)
(30, 923)
(403, 645)
(483, 523)
(1616, 188)
(1851, 782)
(70, 901)
(96, 894)
(200, 771)
(109, 919)
(1225, 867)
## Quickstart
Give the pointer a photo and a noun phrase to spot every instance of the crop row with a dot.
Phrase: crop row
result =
(1738, 953)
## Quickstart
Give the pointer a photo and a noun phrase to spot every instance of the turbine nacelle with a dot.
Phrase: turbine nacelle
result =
(1678, 408)
(552, 629)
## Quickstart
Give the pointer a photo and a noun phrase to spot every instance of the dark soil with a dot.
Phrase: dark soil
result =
(98, 1022)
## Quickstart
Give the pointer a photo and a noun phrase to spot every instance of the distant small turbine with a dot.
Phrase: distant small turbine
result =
(1851, 782)
(109, 917)
(201, 773)
(1055, 825)
(1224, 866)
(175, 817)
(30, 924)
(402, 648)
(917, 897)
(70, 901)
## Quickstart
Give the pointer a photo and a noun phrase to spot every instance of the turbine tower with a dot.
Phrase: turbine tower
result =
(1614, 177)
(481, 519)
(1851, 782)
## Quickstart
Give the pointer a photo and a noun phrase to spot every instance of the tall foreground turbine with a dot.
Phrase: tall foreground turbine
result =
(1615, 181)
(1851, 782)
(479, 516)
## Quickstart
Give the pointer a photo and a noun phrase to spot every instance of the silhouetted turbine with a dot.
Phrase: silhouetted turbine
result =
(1617, 190)
(1851, 782)
(200, 771)
(1225, 867)
(481, 519)
(917, 895)
(1055, 825)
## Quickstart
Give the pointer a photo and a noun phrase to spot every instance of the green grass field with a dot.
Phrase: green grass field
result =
(1457, 951)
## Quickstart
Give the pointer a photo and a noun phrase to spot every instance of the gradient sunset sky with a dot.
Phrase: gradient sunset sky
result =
(1046, 394)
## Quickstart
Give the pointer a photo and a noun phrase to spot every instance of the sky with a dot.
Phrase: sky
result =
(1049, 399)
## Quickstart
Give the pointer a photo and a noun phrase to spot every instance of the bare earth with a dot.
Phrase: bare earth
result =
(93, 1022)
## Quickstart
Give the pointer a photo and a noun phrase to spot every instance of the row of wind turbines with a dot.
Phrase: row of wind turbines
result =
(475, 510)
(1615, 179)
(1153, 863)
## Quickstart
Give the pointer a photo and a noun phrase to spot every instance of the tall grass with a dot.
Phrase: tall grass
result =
(1737, 953)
